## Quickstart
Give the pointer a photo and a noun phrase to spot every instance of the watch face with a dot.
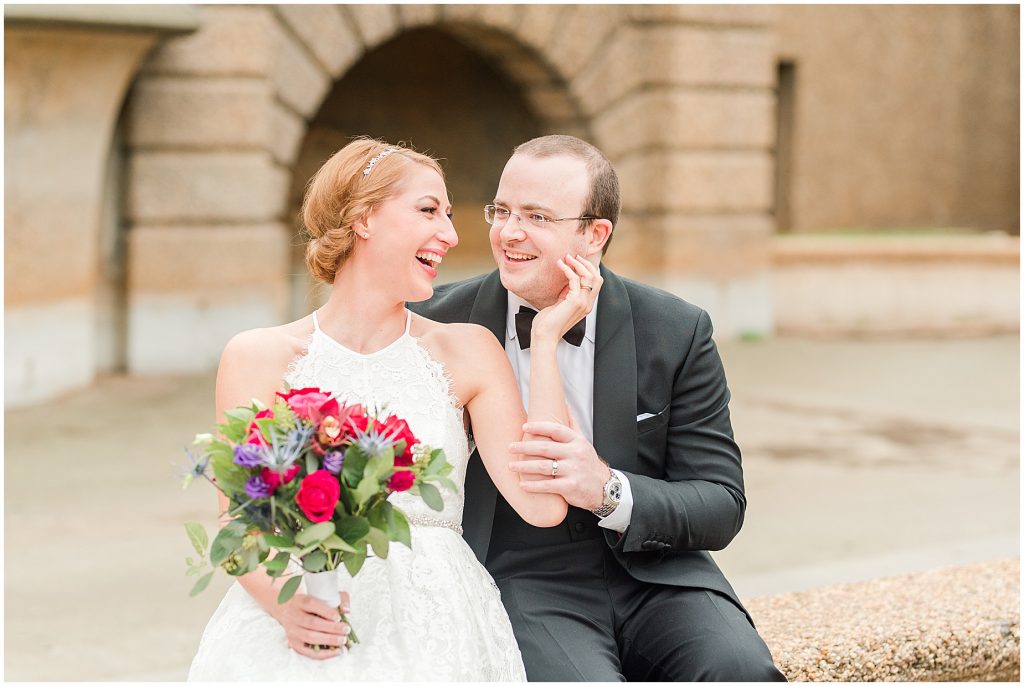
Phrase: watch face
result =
(615, 491)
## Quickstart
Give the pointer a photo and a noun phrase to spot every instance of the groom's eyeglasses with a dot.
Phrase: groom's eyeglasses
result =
(498, 216)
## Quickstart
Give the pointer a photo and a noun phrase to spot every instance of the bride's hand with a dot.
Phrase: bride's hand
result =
(309, 622)
(574, 302)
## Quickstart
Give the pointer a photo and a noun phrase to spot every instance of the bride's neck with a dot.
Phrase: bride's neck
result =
(361, 318)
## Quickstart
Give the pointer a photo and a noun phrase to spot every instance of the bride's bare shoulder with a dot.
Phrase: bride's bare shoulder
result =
(272, 346)
(459, 346)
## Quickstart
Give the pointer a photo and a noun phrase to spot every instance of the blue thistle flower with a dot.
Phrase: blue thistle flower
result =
(196, 468)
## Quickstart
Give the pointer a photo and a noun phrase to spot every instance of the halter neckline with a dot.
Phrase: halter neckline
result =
(405, 335)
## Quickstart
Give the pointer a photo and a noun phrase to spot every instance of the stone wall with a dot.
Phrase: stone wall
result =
(906, 116)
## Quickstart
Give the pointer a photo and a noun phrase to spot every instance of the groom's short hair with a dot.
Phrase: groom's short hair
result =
(604, 199)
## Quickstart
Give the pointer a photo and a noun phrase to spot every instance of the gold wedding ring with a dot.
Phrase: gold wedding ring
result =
(554, 467)
(589, 288)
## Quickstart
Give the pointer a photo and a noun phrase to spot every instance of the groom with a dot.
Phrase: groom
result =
(624, 588)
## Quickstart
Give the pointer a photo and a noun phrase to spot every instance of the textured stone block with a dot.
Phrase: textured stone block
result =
(194, 112)
(287, 130)
(326, 33)
(688, 118)
(538, 26)
(412, 16)
(727, 15)
(705, 182)
(172, 259)
(376, 23)
(583, 31)
(300, 81)
(551, 103)
(170, 187)
(682, 55)
(232, 39)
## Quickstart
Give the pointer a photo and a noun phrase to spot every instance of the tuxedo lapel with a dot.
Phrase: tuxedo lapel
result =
(489, 310)
(615, 388)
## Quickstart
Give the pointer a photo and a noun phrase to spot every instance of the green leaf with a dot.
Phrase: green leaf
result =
(276, 541)
(398, 528)
(288, 590)
(314, 534)
(380, 514)
(379, 542)
(368, 487)
(315, 561)
(335, 542)
(431, 496)
(355, 463)
(354, 562)
(230, 477)
(312, 463)
(227, 541)
(203, 582)
(241, 415)
(277, 565)
(197, 536)
(193, 570)
(353, 529)
(447, 483)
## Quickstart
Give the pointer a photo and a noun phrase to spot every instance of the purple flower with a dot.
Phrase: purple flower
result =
(333, 461)
(256, 487)
(248, 455)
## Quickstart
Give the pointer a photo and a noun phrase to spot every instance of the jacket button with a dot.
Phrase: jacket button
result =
(579, 527)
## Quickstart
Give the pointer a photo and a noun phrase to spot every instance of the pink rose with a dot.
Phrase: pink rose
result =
(305, 402)
(318, 494)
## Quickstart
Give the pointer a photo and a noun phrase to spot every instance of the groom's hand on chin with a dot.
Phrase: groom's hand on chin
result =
(579, 472)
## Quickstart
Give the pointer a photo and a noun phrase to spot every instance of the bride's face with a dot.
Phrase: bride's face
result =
(410, 233)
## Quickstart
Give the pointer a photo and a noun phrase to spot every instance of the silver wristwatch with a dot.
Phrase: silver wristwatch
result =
(612, 496)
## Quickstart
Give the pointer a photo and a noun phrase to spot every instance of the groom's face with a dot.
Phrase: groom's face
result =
(527, 255)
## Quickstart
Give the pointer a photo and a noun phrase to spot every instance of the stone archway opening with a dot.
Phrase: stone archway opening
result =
(430, 90)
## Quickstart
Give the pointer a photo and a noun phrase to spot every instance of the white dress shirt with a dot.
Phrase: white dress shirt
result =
(576, 365)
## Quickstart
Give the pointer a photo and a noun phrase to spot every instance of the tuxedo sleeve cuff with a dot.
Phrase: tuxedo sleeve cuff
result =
(619, 519)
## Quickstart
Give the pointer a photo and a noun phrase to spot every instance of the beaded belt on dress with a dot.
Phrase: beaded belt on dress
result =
(423, 520)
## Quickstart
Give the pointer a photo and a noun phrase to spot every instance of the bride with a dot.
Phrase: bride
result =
(379, 220)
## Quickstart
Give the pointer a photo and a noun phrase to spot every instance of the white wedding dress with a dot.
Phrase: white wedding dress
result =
(431, 613)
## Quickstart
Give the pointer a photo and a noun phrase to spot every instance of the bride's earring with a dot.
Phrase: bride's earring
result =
(366, 236)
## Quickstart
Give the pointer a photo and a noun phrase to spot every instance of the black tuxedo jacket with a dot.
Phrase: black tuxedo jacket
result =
(653, 355)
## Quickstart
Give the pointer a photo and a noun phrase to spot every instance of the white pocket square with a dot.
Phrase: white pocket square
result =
(645, 415)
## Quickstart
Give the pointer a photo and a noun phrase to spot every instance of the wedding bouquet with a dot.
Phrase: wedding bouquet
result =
(310, 479)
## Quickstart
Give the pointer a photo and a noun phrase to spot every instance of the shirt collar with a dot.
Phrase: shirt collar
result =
(515, 302)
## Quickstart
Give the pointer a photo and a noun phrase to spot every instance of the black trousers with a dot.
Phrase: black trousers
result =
(578, 616)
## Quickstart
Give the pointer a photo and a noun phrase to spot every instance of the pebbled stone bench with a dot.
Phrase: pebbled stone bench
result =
(950, 624)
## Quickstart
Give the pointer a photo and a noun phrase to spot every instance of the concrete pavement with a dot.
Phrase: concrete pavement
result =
(862, 459)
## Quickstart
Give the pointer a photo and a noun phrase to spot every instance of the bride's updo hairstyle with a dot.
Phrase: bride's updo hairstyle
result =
(353, 182)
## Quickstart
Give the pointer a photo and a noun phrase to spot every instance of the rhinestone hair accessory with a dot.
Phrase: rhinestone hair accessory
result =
(381, 155)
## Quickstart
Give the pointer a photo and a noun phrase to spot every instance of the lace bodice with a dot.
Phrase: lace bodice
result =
(401, 379)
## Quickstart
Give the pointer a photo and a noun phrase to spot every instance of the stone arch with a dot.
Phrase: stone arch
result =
(217, 120)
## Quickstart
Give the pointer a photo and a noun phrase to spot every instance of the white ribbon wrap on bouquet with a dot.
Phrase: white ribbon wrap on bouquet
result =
(326, 585)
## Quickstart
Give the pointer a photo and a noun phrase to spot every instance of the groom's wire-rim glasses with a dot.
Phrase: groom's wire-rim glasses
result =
(497, 216)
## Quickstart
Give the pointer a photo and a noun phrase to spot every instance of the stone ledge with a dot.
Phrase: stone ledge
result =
(950, 624)
(162, 18)
(825, 248)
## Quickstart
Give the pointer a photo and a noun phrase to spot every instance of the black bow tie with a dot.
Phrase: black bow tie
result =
(524, 325)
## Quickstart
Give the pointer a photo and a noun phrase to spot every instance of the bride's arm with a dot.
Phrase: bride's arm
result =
(252, 366)
(495, 407)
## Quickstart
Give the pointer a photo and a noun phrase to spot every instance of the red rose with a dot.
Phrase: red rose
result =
(255, 435)
(305, 402)
(398, 430)
(402, 480)
(274, 479)
(318, 494)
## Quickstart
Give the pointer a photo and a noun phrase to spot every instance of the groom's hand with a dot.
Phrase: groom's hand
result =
(581, 474)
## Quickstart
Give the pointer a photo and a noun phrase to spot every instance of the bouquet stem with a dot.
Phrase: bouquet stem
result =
(325, 586)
